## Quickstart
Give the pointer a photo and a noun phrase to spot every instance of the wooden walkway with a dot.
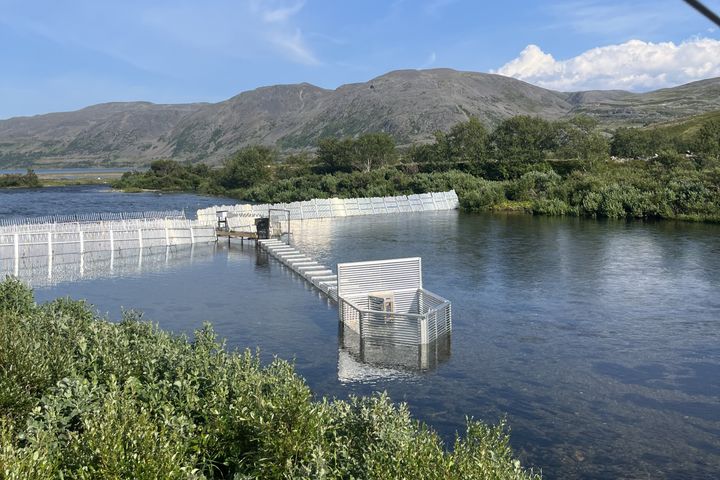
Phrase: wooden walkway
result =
(233, 234)
(320, 276)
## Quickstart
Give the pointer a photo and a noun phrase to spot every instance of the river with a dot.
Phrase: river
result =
(598, 340)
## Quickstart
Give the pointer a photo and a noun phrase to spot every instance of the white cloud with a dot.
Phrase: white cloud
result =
(294, 47)
(281, 14)
(429, 61)
(634, 65)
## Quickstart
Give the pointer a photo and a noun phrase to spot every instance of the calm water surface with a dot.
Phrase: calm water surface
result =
(38, 202)
(600, 341)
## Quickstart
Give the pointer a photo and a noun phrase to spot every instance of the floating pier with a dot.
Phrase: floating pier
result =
(320, 276)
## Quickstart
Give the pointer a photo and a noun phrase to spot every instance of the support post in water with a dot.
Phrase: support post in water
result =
(50, 253)
(16, 239)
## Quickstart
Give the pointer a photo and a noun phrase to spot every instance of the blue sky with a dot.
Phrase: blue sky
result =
(63, 55)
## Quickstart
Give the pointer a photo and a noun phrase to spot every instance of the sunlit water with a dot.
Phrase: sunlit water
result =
(600, 341)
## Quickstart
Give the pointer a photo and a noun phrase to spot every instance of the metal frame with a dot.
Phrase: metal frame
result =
(420, 316)
(287, 216)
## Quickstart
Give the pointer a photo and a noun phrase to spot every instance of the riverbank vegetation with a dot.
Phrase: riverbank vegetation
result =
(16, 180)
(81, 397)
(567, 167)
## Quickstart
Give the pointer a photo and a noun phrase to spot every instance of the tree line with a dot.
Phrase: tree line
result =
(568, 167)
(16, 180)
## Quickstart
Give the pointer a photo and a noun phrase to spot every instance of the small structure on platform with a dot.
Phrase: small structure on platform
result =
(253, 225)
(385, 300)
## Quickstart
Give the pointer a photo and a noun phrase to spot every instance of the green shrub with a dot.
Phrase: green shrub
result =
(483, 197)
(84, 398)
(534, 185)
(552, 206)
(15, 297)
(28, 180)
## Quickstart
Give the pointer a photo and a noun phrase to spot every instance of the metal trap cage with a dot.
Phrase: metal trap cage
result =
(385, 300)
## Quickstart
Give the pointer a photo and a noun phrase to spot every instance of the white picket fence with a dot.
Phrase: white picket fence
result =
(18, 242)
(242, 215)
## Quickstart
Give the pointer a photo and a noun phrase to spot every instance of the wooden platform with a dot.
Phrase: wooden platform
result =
(234, 234)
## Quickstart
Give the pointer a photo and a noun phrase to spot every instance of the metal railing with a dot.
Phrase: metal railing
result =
(431, 320)
(92, 217)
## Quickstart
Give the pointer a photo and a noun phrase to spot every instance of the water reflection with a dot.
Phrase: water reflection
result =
(367, 360)
(44, 271)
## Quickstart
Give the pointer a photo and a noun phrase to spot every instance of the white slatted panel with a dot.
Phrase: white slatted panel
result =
(337, 207)
(361, 278)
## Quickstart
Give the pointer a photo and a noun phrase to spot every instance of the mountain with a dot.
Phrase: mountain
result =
(615, 107)
(408, 104)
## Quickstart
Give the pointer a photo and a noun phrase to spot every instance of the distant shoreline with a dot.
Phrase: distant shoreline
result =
(60, 177)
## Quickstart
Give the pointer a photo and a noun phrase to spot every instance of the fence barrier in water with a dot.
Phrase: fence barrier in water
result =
(241, 216)
(23, 241)
(69, 267)
(91, 217)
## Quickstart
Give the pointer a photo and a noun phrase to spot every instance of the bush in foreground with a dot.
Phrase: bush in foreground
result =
(84, 398)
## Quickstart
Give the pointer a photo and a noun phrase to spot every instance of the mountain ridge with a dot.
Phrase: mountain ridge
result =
(408, 104)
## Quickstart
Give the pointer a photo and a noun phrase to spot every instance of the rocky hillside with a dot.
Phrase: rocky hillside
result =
(408, 104)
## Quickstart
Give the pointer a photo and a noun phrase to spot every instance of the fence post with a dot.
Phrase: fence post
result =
(140, 241)
(82, 242)
(112, 240)
(17, 253)
(424, 330)
(50, 250)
